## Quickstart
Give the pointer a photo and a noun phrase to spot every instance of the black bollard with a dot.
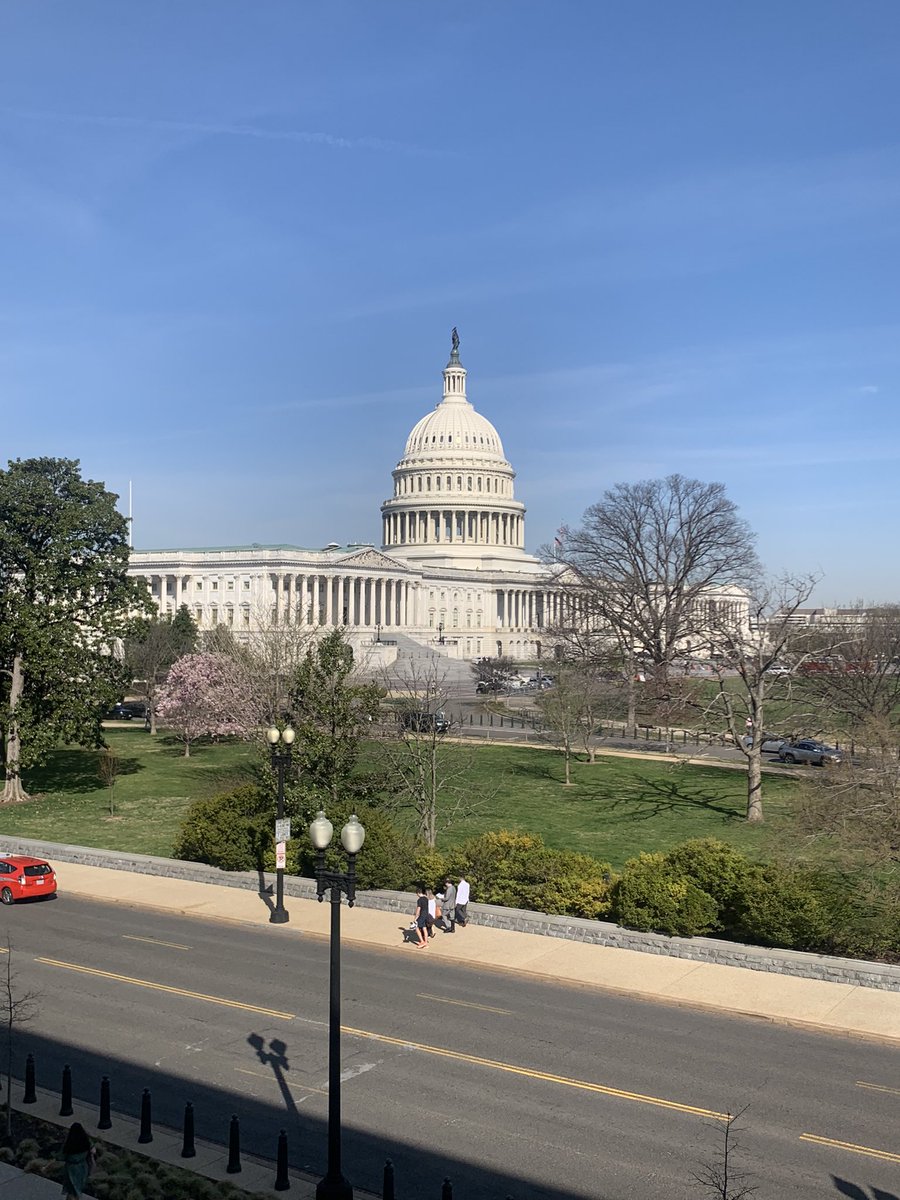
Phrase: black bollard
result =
(188, 1150)
(234, 1147)
(30, 1096)
(387, 1188)
(447, 1190)
(105, 1121)
(146, 1134)
(282, 1183)
(65, 1100)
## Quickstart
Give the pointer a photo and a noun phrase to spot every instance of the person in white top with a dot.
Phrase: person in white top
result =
(462, 902)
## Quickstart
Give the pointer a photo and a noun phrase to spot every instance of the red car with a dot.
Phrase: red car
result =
(24, 878)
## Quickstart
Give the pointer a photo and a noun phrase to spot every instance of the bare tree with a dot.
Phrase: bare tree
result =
(155, 645)
(645, 560)
(746, 656)
(720, 1178)
(430, 774)
(567, 712)
(859, 685)
(16, 1008)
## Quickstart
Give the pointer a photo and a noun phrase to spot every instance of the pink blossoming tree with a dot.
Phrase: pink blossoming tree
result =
(206, 694)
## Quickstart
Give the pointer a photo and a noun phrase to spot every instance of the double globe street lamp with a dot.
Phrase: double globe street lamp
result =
(280, 742)
(334, 1186)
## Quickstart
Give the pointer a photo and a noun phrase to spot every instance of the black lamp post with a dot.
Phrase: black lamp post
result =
(377, 633)
(334, 1186)
(441, 634)
(281, 758)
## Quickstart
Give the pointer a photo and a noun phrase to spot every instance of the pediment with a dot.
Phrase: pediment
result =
(373, 560)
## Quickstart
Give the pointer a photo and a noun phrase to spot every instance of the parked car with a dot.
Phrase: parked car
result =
(424, 722)
(126, 712)
(808, 750)
(25, 878)
(490, 685)
(770, 743)
(780, 669)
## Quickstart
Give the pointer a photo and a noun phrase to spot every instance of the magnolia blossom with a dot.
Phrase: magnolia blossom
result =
(205, 694)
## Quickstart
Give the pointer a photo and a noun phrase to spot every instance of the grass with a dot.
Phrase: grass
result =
(154, 788)
(614, 808)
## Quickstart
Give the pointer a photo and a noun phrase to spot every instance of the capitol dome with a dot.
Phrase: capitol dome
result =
(453, 488)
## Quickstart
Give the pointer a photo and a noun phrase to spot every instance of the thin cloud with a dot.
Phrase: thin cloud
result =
(218, 129)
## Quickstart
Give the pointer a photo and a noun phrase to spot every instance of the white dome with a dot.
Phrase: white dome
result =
(453, 430)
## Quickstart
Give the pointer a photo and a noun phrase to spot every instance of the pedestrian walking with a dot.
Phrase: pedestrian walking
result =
(432, 910)
(448, 907)
(462, 902)
(78, 1158)
(421, 918)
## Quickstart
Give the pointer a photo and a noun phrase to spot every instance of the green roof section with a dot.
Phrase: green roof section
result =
(332, 546)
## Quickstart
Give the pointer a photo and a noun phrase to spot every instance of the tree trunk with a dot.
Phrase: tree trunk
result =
(568, 757)
(630, 694)
(13, 792)
(754, 781)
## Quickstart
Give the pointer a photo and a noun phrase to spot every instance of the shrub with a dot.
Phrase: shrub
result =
(779, 907)
(232, 830)
(519, 871)
(717, 869)
(653, 895)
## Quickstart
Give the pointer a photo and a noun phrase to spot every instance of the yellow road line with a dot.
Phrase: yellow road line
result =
(877, 1087)
(884, 1155)
(163, 987)
(506, 1012)
(131, 937)
(582, 1084)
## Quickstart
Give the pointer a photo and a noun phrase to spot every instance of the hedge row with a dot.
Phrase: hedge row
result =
(701, 887)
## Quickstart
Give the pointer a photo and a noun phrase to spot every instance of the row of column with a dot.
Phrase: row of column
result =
(344, 600)
(453, 526)
(523, 608)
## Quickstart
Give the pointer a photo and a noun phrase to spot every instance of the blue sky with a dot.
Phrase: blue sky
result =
(234, 237)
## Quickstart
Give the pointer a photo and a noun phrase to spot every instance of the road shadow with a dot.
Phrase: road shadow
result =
(420, 1166)
(74, 771)
(855, 1192)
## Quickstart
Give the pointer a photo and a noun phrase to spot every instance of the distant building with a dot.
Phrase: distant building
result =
(452, 570)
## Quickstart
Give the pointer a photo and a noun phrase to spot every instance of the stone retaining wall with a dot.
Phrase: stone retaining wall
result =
(599, 933)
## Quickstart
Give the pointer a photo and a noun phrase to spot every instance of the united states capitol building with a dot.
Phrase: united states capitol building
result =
(452, 572)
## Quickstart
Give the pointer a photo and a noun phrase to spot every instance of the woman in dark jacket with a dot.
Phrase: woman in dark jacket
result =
(78, 1159)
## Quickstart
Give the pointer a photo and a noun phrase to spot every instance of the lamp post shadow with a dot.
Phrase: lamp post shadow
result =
(276, 1058)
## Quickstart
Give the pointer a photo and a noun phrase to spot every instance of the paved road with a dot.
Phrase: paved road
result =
(510, 1085)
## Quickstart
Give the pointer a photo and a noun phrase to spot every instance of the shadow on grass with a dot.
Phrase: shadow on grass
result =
(669, 796)
(75, 770)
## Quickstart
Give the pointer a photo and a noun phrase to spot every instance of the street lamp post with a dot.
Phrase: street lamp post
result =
(441, 634)
(377, 633)
(281, 758)
(334, 1186)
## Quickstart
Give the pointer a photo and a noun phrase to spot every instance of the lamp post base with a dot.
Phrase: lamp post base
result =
(279, 916)
(334, 1188)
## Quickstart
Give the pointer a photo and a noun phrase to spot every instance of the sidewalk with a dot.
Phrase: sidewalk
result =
(842, 1008)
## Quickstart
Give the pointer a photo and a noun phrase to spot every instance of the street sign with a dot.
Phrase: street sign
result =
(283, 830)
(280, 856)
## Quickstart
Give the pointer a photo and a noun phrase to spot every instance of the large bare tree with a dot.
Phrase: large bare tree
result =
(645, 560)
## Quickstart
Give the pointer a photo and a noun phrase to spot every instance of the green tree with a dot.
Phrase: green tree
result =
(332, 711)
(156, 643)
(66, 601)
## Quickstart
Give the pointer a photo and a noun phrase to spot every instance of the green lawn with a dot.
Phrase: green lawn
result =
(615, 807)
(155, 786)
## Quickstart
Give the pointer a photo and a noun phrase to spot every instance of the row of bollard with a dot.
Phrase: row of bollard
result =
(145, 1135)
(188, 1149)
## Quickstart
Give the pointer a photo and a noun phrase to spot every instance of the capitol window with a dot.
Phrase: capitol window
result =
(245, 584)
(199, 585)
(469, 483)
